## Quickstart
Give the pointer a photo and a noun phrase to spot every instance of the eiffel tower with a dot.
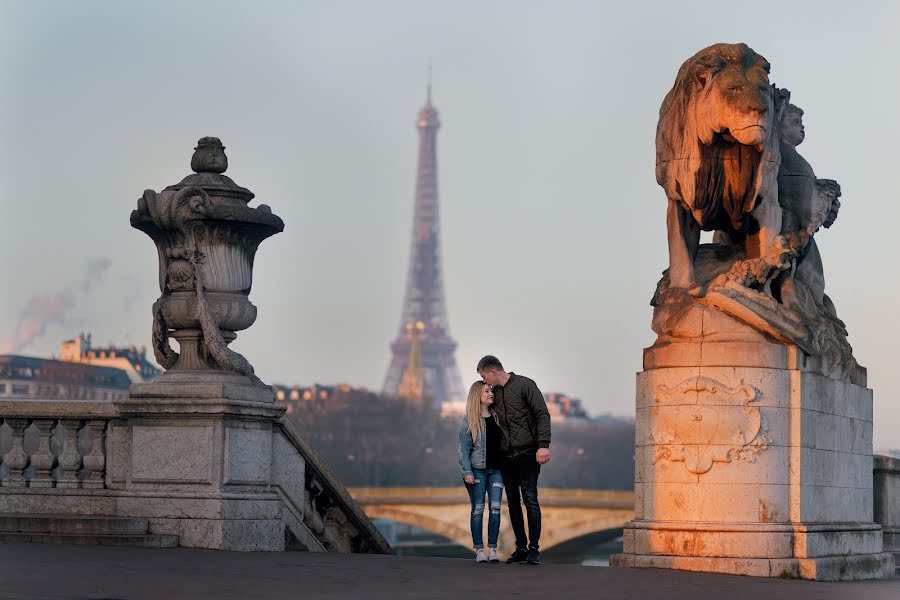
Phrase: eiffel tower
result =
(423, 325)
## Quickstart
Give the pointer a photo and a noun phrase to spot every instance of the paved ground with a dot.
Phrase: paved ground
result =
(29, 571)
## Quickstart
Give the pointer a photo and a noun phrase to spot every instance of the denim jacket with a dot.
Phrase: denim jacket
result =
(472, 455)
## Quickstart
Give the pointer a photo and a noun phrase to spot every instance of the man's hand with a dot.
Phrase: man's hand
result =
(470, 479)
(543, 456)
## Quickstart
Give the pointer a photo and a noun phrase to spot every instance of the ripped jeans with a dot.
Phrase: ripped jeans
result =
(487, 482)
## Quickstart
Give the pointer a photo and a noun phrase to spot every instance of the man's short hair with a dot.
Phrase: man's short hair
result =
(489, 362)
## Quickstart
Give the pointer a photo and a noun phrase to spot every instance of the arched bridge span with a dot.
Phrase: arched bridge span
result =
(566, 513)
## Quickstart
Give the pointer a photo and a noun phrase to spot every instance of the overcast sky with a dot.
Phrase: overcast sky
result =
(545, 158)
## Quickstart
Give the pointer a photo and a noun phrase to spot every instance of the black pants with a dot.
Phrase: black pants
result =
(520, 477)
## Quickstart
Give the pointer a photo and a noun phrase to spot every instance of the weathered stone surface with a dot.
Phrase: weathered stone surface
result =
(43, 501)
(753, 435)
(285, 472)
(750, 462)
(198, 468)
(206, 237)
(887, 500)
(172, 454)
(248, 454)
(726, 157)
(840, 568)
(198, 388)
(753, 462)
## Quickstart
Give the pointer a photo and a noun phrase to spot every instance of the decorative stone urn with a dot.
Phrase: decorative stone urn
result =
(206, 236)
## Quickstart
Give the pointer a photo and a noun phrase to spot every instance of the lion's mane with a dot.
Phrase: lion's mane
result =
(715, 178)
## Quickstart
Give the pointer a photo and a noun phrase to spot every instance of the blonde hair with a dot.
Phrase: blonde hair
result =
(473, 409)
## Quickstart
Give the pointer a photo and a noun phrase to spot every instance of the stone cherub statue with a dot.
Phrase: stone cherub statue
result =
(727, 159)
(807, 204)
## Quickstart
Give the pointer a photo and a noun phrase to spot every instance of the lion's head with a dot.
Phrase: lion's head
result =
(715, 129)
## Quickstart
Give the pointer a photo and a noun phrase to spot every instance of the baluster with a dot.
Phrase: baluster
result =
(70, 459)
(16, 460)
(43, 460)
(95, 460)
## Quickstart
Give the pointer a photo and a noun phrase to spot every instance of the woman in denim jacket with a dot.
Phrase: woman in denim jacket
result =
(479, 458)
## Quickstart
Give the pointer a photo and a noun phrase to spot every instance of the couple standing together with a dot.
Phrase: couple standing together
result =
(504, 438)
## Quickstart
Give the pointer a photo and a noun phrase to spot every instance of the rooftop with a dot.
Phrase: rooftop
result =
(29, 368)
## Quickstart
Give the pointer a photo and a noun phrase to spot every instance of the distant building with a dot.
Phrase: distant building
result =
(322, 396)
(31, 378)
(82, 372)
(129, 359)
(563, 407)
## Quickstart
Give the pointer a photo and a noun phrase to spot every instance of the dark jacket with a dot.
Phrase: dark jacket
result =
(523, 416)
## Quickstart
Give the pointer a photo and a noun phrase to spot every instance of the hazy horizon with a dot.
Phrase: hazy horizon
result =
(545, 170)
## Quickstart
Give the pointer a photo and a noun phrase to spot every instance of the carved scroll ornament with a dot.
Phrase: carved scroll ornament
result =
(701, 421)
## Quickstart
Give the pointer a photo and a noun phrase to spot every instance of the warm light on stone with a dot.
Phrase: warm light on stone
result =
(753, 441)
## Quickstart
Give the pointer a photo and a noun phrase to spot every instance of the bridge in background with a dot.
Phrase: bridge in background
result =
(567, 514)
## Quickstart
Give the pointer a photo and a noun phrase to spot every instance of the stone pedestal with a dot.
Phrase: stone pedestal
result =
(196, 459)
(750, 459)
(887, 501)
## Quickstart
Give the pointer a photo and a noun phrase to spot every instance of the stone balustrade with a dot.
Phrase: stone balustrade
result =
(328, 510)
(78, 458)
(886, 488)
(49, 444)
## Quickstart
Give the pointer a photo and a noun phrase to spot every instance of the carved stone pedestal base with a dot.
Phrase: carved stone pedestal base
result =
(197, 460)
(748, 461)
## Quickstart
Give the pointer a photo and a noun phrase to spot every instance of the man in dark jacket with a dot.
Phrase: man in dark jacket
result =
(525, 445)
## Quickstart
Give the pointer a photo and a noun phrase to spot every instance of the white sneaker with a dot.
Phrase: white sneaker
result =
(480, 555)
(492, 555)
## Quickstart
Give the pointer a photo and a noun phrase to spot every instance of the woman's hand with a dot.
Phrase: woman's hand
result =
(470, 479)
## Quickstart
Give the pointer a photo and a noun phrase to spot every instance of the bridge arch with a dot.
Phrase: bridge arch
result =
(458, 534)
(567, 514)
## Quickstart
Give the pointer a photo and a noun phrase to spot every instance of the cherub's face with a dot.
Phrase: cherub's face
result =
(832, 213)
(792, 130)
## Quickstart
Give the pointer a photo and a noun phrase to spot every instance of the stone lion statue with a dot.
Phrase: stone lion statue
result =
(717, 157)
(726, 157)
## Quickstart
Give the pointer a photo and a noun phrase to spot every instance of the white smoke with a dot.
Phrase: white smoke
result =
(42, 311)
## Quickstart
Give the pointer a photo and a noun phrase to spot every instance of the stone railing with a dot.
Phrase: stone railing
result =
(48, 444)
(64, 448)
(328, 511)
(886, 492)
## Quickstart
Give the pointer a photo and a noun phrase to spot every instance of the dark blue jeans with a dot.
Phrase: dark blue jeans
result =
(487, 482)
(520, 474)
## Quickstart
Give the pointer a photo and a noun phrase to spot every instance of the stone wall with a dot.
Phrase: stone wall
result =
(886, 471)
(213, 473)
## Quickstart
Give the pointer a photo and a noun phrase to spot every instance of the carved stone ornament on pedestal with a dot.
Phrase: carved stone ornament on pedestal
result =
(206, 236)
(753, 428)
(718, 424)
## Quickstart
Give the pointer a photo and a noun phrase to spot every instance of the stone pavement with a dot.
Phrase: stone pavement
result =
(31, 571)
